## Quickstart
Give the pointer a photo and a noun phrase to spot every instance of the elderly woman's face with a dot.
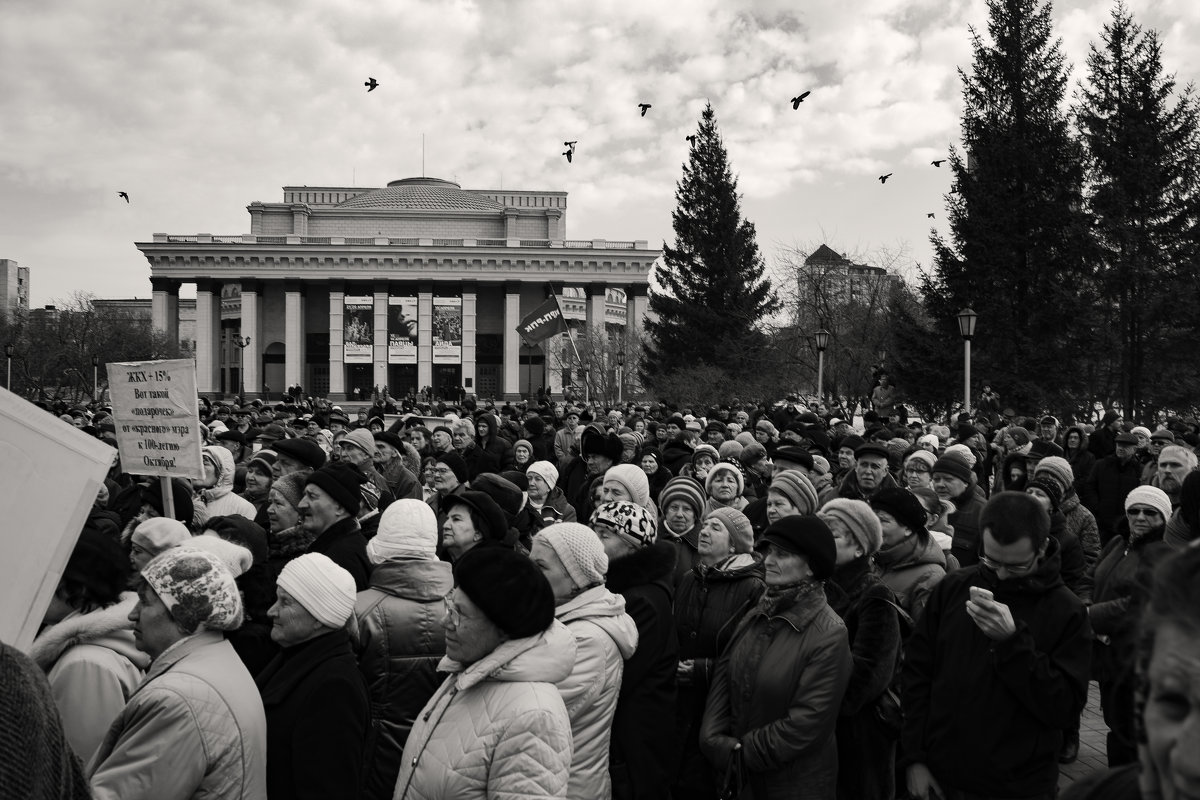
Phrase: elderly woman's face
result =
(153, 628)
(1143, 519)
(724, 487)
(281, 514)
(615, 490)
(1172, 714)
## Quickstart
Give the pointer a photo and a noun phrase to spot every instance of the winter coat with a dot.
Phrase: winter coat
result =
(1082, 460)
(345, 545)
(220, 499)
(1105, 491)
(849, 487)
(194, 728)
(496, 728)
(556, 508)
(318, 718)
(911, 570)
(499, 448)
(676, 454)
(93, 666)
(399, 643)
(987, 717)
(605, 636)
(1080, 522)
(1071, 562)
(687, 554)
(965, 520)
(641, 748)
(709, 604)
(566, 447)
(777, 691)
(479, 461)
(866, 749)
(401, 481)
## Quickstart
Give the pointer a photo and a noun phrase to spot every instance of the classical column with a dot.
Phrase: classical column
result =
(468, 337)
(293, 334)
(425, 334)
(379, 349)
(208, 329)
(594, 314)
(637, 304)
(251, 325)
(164, 307)
(337, 367)
(512, 341)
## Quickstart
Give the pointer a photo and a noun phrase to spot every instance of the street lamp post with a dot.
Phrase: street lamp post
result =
(95, 377)
(242, 343)
(966, 329)
(620, 377)
(822, 337)
(8, 354)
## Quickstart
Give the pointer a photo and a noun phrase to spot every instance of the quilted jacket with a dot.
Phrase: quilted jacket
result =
(195, 728)
(604, 637)
(496, 729)
(400, 641)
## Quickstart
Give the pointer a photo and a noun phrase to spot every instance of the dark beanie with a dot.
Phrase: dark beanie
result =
(535, 425)
(99, 565)
(508, 588)
(953, 465)
(506, 493)
(904, 506)
(1049, 486)
(181, 493)
(342, 481)
(456, 464)
(808, 536)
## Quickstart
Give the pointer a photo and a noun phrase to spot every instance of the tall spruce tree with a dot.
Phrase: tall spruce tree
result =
(711, 293)
(1018, 252)
(1142, 173)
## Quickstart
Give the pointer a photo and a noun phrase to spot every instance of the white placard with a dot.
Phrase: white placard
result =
(51, 473)
(157, 415)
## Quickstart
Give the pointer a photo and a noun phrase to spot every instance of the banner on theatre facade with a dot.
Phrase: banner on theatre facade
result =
(358, 320)
(156, 414)
(447, 330)
(402, 330)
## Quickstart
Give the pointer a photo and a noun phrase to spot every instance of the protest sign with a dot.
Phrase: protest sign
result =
(51, 473)
(156, 413)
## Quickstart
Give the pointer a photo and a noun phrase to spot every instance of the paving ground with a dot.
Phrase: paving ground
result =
(1092, 731)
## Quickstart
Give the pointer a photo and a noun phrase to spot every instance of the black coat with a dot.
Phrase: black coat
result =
(642, 749)
(346, 546)
(987, 717)
(318, 718)
(1105, 490)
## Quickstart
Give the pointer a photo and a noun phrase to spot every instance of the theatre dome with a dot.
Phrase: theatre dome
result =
(421, 194)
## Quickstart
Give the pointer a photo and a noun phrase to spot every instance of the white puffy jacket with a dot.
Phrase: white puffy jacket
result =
(496, 729)
(604, 637)
(220, 501)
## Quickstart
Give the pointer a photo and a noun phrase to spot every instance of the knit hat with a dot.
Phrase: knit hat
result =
(507, 494)
(263, 461)
(508, 588)
(903, 505)
(519, 443)
(798, 489)
(1049, 486)
(963, 452)
(1058, 469)
(197, 588)
(535, 425)
(751, 454)
(745, 438)
(159, 534)
(628, 520)
(361, 438)
(820, 465)
(1139, 430)
(930, 439)
(1150, 496)
(236, 558)
(181, 494)
(730, 449)
(731, 468)
(456, 464)
(290, 488)
(633, 479)
(325, 589)
(545, 470)
(579, 549)
(924, 456)
(408, 528)
(953, 465)
(305, 451)
(706, 450)
(741, 532)
(808, 536)
(342, 482)
(682, 488)
(859, 520)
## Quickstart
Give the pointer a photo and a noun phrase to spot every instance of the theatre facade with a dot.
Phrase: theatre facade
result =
(418, 284)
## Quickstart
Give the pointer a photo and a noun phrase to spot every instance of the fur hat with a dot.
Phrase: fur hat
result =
(859, 520)
(797, 488)
(508, 588)
(181, 494)
(579, 549)
(235, 557)
(325, 589)
(593, 442)
(741, 532)
(407, 529)
(491, 515)
(343, 482)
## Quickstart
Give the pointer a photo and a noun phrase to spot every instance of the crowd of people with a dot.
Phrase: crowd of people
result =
(567, 601)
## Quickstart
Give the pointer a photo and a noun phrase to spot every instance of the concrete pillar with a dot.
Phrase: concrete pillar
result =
(293, 335)
(379, 354)
(164, 307)
(251, 325)
(337, 367)
(637, 307)
(511, 388)
(208, 329)
(425, 336)
(468, 337)
(594, 313)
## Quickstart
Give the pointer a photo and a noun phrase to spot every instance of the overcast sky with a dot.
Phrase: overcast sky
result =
(198, 108)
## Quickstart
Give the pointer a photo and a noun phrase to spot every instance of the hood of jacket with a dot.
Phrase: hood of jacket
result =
(606, 610)
(1046, 577)
(493, 429)
(1083, 441)
(653, 564)
(549, 656)
(105, 627)
(420, 581)
(910, 553)
(225, 473)
(733, 568)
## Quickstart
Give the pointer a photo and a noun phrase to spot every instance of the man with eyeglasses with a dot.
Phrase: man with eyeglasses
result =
(997, 667)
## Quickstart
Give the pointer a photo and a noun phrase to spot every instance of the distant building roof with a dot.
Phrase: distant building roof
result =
(421, 194)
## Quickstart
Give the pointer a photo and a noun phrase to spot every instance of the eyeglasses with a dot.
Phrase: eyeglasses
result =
(1015, 569)
(441, 471)
(453, 615)
(917, 471)
(1142, 512)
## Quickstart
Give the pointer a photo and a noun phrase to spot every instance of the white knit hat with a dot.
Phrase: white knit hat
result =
(407, 529)
(544, 470)
(579, 549)
(1150, 496)
(159, 534)
(237, 558)
(321, 586)
(963, 452)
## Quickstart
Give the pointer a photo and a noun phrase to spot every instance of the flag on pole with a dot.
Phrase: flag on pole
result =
(543, 322)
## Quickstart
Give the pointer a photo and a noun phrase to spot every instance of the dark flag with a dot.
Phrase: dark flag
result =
(543, 322)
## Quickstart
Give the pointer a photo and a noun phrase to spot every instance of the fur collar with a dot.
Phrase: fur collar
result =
(290, 542)
(655, 563)
(99, 627)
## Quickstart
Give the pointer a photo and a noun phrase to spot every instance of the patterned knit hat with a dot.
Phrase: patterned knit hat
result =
(324, 589)
(1050, 487)
(741, 532)
(579, 549)
(291, 488)
(682, 488)
(798, 489)
(730, 467)
(1058, 469)
(629, 520)
(197, 588)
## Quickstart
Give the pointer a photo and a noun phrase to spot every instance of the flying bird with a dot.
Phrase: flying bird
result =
(938, 163)
(568, 154)
(371, 83)
(571, 144)
(929, 215)
(691, 139)
(796, 101)
(883, 178)
(644, 107)
(124, 195)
